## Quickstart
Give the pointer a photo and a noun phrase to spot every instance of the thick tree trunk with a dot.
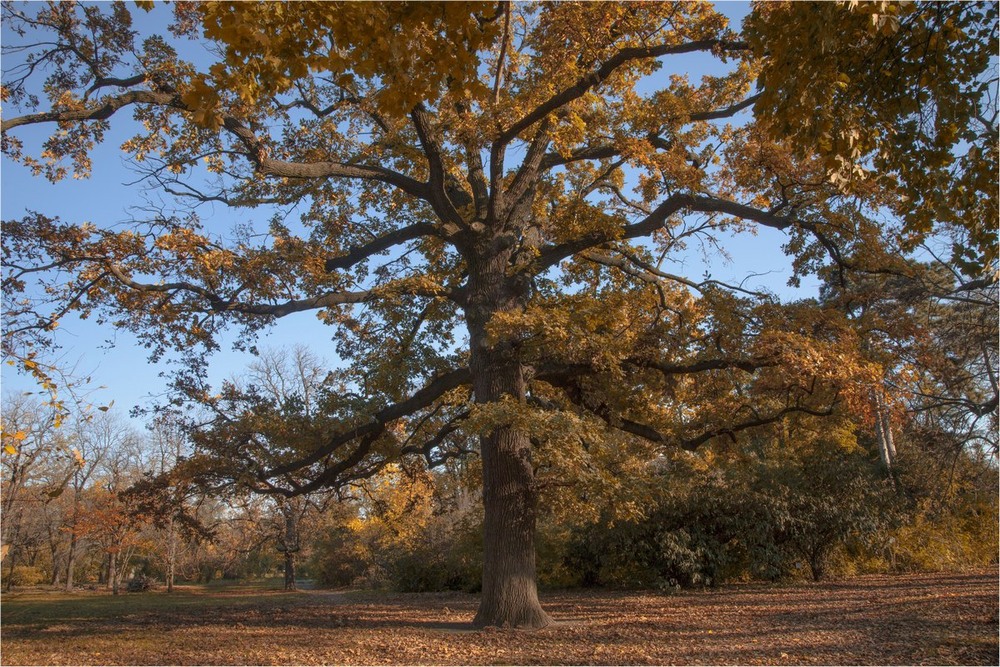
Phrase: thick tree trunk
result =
(510, 596)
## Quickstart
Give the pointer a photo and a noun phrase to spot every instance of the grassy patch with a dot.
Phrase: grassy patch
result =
(50, 607)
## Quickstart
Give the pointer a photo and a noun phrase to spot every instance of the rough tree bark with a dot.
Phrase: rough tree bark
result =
(510, 595)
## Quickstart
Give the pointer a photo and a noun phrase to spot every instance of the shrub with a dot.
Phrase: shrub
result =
(956, 538)
(338, 557)
(768, 520)
(446, 555)
(27, 575)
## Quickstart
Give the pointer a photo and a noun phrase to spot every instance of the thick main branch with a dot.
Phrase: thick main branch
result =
(257, 150)
(553, 254)
(359, 253)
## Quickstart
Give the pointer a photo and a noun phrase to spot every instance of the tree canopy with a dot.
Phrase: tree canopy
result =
(489, 197)
(902, 92)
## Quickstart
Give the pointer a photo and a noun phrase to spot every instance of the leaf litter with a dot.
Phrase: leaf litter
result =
(939, 619)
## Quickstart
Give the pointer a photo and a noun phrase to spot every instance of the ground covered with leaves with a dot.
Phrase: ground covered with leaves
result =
(875, 620)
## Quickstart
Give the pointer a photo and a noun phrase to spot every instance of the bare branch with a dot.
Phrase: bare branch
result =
(634, 266)
(608, 150)
(583, 153)
(503, 52)
(102, 110)
(555, 253)
(746, 365)
(692, 444)
(268, 166)
(527, 174)
(105, 82)
(431, 145)
(728, 111)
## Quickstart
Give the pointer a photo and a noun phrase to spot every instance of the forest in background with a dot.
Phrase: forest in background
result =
(98, 503)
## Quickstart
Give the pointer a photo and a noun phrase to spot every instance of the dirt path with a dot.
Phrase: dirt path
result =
(876, 620)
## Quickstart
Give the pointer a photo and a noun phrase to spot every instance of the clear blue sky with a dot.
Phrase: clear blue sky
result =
(114, 360)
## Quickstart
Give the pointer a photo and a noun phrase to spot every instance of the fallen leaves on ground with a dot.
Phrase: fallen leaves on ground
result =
(872, 620)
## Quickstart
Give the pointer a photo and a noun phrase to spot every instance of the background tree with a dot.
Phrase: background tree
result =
(36, 463)
(170, 441)
(285, 407)
(489, 239)
(934, 335)
(99, 442)
(113, 526)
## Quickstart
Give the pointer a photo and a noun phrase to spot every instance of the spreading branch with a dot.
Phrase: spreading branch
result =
(601, 74)
(692, 444)
(551, 255)
(377, 423)
(219, 304)
(381, 244)
(257, 150)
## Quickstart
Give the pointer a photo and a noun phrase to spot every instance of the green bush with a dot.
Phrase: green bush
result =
(769, 520)
(781, 511)
(337, 557)
(552, 552)
(448, 556)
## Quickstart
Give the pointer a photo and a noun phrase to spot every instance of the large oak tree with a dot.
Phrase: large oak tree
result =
(492, 195)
